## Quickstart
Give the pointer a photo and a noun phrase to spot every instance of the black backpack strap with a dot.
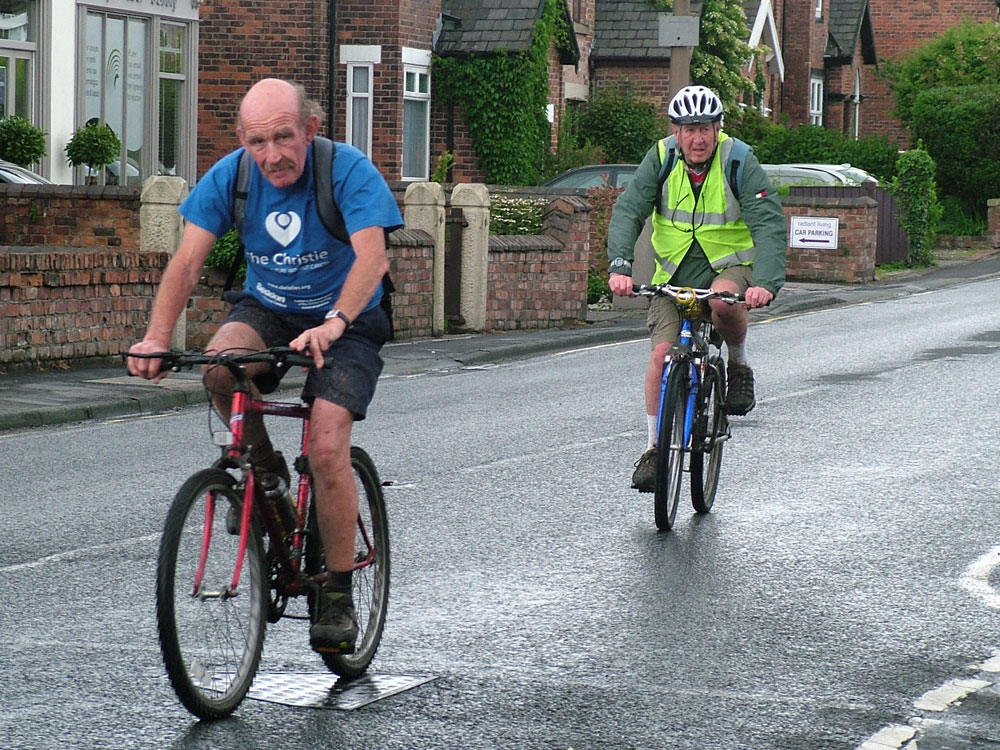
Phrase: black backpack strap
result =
(324, 152)
(240, 193)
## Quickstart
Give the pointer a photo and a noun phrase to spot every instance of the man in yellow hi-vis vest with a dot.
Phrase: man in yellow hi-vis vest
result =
(717, 223)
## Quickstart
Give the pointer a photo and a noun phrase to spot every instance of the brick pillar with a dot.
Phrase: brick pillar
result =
(474, 200)
(424, 209)
(993, 223)
(161, 227)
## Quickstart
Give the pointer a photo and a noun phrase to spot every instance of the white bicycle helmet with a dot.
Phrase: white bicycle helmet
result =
(694, 104)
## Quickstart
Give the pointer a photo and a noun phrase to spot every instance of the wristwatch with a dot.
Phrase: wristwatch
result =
(337, 313)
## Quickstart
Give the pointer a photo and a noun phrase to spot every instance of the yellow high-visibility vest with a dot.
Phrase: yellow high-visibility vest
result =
(714, 218)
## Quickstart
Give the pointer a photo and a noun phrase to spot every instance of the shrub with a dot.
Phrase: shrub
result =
(21, 142)
(597, 287)
(509, 215)
(621, 124)
(94, 145)
(224, 252)
(960, 128)
(914, 190)
(967, 54)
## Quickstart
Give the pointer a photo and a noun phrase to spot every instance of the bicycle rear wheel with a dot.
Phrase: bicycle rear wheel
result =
(670, 447)
(371, 573)
(707, 459)
(211, 638)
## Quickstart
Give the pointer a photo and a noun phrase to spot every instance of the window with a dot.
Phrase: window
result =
(359, 107)
(115, 89)
(416, 122)
(173, 84)
(816, 101)
(819, 9)
(18, 44)
(856, 101)
(136, 79)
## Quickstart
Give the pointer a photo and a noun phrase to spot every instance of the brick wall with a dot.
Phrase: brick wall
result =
(854, 259)
(242, 41)
(71, 216)
(651, 80)
(69, 302)
(541, 281)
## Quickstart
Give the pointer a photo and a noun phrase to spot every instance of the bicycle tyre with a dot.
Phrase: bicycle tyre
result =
(371, 582)
(670, 447)
(706, 463)
(211, 644)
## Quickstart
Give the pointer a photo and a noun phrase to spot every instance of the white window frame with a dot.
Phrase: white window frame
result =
(15, 50)
(353, 97)
(856, 101)
(356, 57)
(819, 9)
(816, 100)
(416, 67)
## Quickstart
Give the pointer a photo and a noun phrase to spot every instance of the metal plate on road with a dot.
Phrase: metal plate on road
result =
(325, 690)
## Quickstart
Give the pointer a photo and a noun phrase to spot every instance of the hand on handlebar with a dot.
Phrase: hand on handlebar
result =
(620, 284)
(757, 296)
(148, 368)
(315, 341)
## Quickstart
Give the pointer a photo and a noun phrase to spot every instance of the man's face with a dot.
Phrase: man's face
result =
(697, 142)
(272, 131)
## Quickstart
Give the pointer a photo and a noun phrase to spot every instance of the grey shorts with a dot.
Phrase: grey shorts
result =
(663, 318)
(350, 380)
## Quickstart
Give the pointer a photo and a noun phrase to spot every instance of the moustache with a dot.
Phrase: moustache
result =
(283, 164)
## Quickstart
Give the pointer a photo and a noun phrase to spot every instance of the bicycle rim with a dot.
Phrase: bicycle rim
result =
(371, 578)
(670, 448)
(211, 643)
(706, 464)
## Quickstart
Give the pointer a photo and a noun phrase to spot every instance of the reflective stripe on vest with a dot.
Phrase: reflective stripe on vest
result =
(715, 218)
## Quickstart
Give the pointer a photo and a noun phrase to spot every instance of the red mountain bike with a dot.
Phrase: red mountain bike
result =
(216, 591)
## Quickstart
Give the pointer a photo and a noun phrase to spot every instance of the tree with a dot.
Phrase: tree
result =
(717, 62)
(21, 142)
(94, 145)
(964, 55)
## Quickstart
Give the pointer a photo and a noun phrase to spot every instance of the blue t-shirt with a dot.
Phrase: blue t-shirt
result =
(293, 263)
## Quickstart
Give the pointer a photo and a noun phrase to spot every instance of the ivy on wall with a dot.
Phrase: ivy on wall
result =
(504, 98)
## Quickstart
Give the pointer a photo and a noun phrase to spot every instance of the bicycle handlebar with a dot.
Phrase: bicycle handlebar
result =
(685, 294)
(276, 355)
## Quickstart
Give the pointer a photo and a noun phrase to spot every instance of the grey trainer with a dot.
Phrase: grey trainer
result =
(336, 628)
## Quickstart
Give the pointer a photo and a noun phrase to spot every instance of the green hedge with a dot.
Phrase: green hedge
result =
(960, 128)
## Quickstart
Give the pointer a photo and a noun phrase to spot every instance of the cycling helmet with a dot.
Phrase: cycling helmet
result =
(694, 104)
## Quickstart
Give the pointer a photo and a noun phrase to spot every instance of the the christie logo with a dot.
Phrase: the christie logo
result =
(283, 227)
(276, 298)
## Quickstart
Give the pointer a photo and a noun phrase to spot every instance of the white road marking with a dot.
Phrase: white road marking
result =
(975, 580)
(79, 553)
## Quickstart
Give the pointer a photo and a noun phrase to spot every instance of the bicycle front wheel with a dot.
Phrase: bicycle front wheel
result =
(670, 447)
(371, 571)
(707, 459)
(211, 636)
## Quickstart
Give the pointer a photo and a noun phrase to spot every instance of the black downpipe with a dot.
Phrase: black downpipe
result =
(331, 74)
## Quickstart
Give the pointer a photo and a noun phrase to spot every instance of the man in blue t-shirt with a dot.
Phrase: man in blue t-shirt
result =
(304, 289)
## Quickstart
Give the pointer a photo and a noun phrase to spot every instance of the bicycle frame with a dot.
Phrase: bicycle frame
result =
(682, 354)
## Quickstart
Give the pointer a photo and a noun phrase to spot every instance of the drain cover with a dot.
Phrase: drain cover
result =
(325, 690)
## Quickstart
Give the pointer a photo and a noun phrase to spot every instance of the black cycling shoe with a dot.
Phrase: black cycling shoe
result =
(739, 394)
(336, 629)
(644, 476)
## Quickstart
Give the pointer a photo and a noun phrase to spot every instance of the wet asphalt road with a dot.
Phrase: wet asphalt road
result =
(832, 586)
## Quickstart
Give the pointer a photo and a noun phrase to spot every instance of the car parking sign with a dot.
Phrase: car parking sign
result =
(817, 232)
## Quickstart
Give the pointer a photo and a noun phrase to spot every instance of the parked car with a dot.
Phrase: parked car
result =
(816, 174)
(12, 173)
(594, 175)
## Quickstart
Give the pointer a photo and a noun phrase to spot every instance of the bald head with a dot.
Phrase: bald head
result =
(276, 125)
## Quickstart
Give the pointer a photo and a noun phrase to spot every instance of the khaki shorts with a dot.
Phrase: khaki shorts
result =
(664, 320)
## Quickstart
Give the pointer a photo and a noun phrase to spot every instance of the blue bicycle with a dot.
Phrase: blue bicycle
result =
(692, 416)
